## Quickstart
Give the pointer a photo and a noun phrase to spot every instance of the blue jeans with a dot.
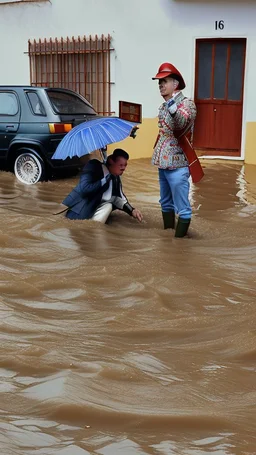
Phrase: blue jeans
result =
(174, 191)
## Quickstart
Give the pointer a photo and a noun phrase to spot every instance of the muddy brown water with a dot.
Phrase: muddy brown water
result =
(120, 339)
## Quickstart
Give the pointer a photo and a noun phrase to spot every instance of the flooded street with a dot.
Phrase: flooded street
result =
(121, 339)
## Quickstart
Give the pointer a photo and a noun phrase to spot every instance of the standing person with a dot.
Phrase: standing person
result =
(99, 190)
(176, 114)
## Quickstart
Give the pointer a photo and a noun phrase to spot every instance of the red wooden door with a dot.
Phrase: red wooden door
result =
(219, 95)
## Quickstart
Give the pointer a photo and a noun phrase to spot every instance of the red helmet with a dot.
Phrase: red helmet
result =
(167, 69)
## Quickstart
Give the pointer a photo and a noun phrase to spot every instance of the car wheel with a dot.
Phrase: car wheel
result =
(28, 168)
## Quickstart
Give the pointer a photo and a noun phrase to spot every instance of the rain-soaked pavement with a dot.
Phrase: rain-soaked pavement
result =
(120, 339)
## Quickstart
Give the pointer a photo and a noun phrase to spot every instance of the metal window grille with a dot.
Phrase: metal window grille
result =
(81, 64)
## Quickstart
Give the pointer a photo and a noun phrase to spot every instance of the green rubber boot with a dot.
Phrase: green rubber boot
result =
(169, 219)
(182, 227)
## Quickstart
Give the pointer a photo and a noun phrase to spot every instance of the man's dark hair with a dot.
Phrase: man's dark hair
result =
(120, 152)
(116, 154)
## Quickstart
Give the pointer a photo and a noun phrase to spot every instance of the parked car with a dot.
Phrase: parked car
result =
(33, 121)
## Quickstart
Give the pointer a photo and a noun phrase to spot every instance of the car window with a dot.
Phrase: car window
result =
(67, 103)
(35, 103)
(8, 104)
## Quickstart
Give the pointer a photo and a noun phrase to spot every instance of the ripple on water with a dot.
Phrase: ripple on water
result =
(121, 338)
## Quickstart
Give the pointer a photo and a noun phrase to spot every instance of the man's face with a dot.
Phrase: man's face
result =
(118, 167)
(167, 86)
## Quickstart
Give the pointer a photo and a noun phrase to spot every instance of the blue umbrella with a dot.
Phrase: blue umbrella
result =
(93, 135)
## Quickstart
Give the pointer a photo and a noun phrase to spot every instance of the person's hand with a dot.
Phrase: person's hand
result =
(134, 131)
(171, 106)
(137, 214)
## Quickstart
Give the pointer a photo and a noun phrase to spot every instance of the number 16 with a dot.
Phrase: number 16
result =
(219, 25)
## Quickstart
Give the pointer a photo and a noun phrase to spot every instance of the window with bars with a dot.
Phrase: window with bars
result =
(81, 64)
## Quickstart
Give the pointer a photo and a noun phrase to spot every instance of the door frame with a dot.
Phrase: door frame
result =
(221, 153)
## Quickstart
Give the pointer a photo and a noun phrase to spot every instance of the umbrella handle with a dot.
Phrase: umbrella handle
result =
(104, 155)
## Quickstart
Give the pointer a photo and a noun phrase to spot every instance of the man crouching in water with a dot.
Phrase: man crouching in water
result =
(99, 190)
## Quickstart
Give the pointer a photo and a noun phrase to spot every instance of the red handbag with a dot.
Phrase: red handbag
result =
(196, 170)
(183, 137)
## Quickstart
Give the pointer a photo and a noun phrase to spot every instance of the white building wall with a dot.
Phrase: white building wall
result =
(145, 34)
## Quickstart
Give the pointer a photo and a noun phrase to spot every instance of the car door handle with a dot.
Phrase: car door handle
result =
(9, 127)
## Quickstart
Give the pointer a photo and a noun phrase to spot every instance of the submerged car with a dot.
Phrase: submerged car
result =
(33, 121)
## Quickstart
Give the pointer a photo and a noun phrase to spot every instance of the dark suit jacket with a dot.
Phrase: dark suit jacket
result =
(86, 196)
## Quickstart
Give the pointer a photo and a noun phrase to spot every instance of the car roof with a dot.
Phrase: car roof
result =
(36, 87)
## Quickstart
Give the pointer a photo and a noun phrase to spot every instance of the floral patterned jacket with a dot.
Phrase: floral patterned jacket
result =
(167, 152)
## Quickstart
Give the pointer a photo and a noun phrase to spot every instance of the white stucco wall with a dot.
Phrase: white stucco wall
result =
(145, 33)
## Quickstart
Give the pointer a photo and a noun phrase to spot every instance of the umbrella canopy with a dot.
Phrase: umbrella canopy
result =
(92, 135)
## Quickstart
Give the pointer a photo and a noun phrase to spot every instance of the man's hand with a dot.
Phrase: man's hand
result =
(134, 131)
(171, 106)
(136, 214)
